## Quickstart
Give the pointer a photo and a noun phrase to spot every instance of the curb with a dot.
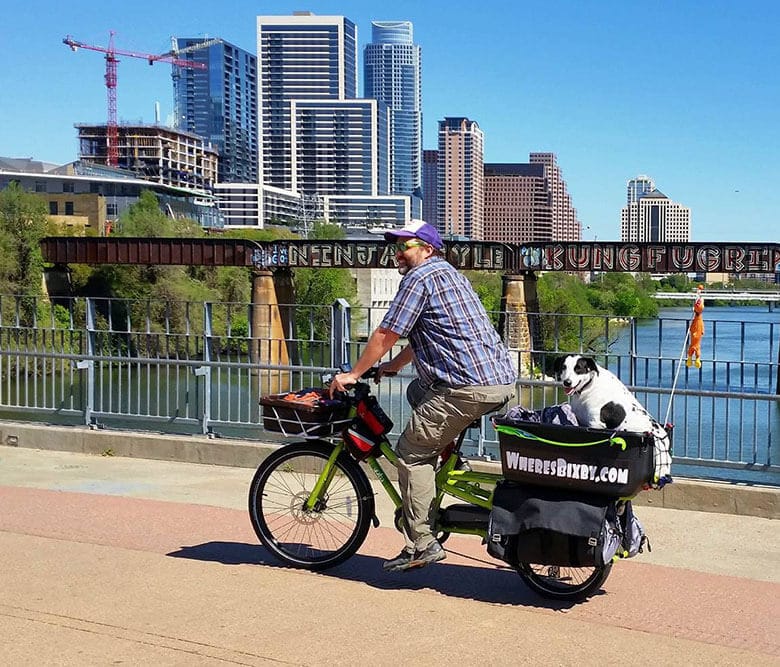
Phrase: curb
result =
(684, 494)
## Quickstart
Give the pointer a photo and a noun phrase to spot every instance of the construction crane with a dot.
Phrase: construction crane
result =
(112, 133)
(175, 51)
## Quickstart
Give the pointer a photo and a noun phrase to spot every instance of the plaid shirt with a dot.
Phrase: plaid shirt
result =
(453, 340)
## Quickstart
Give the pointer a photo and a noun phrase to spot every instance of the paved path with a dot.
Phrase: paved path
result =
(108, 560)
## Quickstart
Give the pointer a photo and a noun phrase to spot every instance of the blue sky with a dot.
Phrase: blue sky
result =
(686, 92)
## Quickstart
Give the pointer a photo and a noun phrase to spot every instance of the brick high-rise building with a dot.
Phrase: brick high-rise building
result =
(566, 226)
(518, 203)
(460, 179)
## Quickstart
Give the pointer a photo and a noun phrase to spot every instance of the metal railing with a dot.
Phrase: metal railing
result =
(194, 367)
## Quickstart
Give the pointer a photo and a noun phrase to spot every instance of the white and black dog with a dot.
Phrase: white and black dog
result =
(600, 400)
(597, 396)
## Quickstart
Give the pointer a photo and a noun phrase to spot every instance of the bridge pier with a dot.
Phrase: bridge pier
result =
(519, 323)
(267, 344)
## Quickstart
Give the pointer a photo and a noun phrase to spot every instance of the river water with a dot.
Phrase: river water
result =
(739, 352)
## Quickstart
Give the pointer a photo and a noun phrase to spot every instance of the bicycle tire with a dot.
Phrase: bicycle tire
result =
(559, 582)
(317, 539)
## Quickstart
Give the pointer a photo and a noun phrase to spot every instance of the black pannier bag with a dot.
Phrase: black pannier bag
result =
(614, 463)
(550, 526)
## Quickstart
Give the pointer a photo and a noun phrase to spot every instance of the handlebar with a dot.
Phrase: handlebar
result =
(370, 374)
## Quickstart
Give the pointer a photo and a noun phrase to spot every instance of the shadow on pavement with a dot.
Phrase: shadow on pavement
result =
(494, 584)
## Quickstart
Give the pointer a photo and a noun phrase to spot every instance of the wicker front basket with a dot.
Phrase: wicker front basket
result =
(283, 414)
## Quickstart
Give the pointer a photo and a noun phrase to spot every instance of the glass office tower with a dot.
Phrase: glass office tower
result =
(638, 187)
(392, 74)
(302, 57)
(219, 103)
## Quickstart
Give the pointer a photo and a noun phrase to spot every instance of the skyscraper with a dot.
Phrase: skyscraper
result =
(392, 74)
(460, 178)
(301, 57)
(638, 187)
(518, 203)
(219, 103)
(566, 226)
(339, 147)
(655, 218)
(430, 186)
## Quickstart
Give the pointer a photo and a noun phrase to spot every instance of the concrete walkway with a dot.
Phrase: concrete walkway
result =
(739, 499)
(112, 560)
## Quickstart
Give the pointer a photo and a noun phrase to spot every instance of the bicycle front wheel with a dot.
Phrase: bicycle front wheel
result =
(560, 582)
(328, 533)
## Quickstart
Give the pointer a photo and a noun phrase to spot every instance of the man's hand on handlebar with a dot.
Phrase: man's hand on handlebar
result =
(341, 382)
(384, 370)
(345, 380)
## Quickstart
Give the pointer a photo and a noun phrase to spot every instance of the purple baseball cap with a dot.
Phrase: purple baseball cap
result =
(417, 229)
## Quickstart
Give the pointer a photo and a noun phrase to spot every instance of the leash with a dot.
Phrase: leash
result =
(680, 364)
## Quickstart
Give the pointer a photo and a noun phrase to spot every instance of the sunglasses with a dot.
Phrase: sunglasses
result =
(401, 247)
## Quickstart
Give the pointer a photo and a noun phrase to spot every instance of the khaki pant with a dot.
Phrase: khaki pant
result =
(439, 415)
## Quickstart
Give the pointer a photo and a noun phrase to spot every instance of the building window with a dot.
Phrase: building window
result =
(67, 186)
(40, 186)
(53, 208)
(68, 208)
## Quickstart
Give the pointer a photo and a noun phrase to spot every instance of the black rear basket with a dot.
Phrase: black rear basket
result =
(615, 463)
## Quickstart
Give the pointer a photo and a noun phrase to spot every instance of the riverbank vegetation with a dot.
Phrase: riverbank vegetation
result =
(24, 221)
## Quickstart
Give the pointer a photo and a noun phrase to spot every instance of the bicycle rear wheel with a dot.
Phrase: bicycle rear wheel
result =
(318, 538)
(560, 582)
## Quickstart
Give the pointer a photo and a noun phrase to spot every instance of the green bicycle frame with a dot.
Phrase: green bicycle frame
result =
(475, 488)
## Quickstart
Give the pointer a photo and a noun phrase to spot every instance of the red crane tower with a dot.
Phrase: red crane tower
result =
(112, 133)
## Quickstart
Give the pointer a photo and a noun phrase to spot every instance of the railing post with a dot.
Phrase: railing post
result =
(341, 326)
(205, 370)
(89, 363)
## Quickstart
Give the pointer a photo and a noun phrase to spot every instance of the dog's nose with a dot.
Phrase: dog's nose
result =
(567, 383)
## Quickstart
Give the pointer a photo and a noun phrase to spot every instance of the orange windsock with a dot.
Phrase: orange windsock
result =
(696, 330)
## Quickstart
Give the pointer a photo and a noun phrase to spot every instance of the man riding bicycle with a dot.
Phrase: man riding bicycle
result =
(464, 371)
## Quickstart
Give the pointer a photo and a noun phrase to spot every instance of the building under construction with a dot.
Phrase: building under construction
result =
(155, 153)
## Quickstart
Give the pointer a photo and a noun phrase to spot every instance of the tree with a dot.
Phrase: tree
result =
(565, 310)
(24, 222)
(489, 287)
(155, 292)
(317, 289)
(144, 218)
(623, 295)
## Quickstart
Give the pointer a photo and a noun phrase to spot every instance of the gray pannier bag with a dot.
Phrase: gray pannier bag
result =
(546, 526)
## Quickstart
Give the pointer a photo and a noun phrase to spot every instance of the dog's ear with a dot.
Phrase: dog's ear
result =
(586, 365)
(591, 365)
(558, 366)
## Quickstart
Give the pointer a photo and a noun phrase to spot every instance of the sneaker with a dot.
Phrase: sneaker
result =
(433, 553)
(400, 562)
